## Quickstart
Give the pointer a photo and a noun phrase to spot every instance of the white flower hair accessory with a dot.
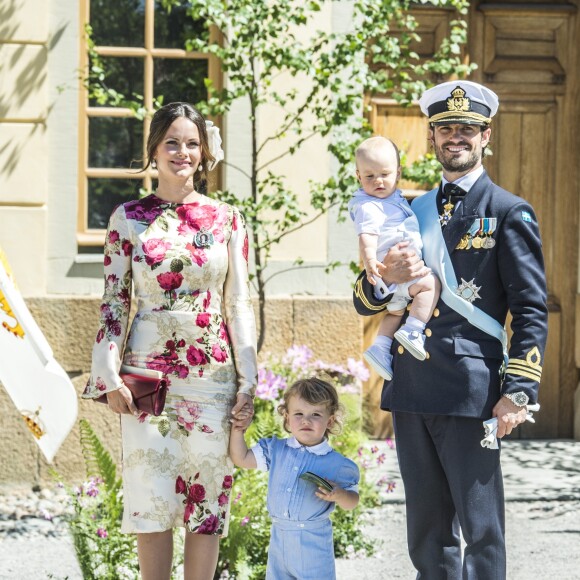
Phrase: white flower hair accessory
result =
(214, 143)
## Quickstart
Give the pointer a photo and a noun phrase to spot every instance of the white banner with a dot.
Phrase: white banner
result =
(39, 387)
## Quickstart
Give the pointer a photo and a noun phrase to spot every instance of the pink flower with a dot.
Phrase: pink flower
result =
(113, 237)
(195, 217)
(155, 250)
(100, 384)
(107, 260)
(187, 414)
(144, 210)
(127, 247)
(180, 485)
(203, 319)
(100, 335)
(102, 533)
(206, 429)
(209, 526)
(170, 280)
(196, 493)
(223, 332)
(228, 481)
(245, 520)
(245, 248)
(218, 354)
(196, 356)
(189, 509)
(222, 499)
(198, 254)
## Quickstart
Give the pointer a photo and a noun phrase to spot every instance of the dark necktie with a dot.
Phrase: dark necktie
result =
(452, 194)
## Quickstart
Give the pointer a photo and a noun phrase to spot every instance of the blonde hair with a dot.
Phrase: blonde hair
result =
(315, 391)
(368, 146)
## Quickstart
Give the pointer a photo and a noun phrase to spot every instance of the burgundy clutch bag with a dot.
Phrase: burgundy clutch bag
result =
(148, 392)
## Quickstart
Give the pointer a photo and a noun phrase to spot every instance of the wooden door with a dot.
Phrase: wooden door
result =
(527, 53)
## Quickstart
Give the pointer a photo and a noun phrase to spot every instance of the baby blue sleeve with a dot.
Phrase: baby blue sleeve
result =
(368, 218)
(262, 453)
(348, 476)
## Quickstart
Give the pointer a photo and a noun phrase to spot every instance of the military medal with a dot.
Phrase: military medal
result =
(462, 245)
(446, 215)
(476, 242)
(203, 239)
(468, 290)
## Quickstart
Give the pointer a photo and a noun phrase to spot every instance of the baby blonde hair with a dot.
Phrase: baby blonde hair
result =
(368, 146)
(315, 391)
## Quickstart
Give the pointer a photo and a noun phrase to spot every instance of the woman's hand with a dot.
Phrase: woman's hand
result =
(243, 412)
(121, 401)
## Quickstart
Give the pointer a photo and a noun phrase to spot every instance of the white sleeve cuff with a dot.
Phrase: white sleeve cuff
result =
(260, 458)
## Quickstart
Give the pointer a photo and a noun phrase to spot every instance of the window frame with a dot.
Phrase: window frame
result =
(87, 237)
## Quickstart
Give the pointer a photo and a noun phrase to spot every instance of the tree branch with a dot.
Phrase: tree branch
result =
(287, 152)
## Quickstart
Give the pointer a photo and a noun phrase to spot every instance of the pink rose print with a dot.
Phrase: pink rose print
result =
(107, 260)
(168, 361)
(209, 526)
(223, 332)
(100, 335)
(228, 482)
(187, 414)
(245, 248)
(198, 254)
(223, 499)
(207, 300)
(100, 384)
(203, 320)
(144, 210)
(218, 354)
(189, 511)
(127, 247)
(196, 493)
(196, 356)
(113, 237)
(155, 250)
(180, 485)
(170, 280)
(195, 217)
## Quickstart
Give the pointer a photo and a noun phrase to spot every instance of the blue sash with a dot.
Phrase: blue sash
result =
(437, 258)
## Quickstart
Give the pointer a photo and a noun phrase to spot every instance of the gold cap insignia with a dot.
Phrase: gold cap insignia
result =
(458, 102)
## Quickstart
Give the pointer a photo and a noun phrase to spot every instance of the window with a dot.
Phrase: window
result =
(141, 48)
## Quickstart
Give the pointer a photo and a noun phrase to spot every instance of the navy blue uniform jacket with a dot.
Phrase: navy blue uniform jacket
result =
(463, 374)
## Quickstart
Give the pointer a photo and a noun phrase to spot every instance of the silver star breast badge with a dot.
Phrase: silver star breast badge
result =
(468, 290)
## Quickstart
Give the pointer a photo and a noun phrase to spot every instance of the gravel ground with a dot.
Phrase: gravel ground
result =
(542, 481)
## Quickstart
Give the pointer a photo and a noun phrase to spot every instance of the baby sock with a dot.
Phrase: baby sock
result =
(413, 323)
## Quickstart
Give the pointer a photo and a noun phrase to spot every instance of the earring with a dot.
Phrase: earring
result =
(154, 164)
(200, 167)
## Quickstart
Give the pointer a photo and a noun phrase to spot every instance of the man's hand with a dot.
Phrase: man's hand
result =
(121, 401)
(402, 265)
(509, 416)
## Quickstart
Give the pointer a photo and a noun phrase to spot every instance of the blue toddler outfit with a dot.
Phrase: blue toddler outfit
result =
(301, 545)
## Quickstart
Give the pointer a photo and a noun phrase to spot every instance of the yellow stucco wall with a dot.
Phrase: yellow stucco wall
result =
(329, 326)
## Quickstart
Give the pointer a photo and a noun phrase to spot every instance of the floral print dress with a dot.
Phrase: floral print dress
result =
(187, 264)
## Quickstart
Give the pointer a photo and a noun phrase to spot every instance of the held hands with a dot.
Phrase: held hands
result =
(509, 416)
(402, 265)
(243, 412)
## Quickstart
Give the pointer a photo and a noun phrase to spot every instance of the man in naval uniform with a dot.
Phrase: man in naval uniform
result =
(484, 244)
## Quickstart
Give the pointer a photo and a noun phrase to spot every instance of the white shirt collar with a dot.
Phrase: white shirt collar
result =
(321, 449)
(466, 181)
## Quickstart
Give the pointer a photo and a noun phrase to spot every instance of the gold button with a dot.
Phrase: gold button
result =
(436, 312)
(401, 350)
(428, 332)
(427, 356)
(408, 308)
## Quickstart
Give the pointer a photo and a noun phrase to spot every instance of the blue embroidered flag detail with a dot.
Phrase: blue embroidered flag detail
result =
(526, 216)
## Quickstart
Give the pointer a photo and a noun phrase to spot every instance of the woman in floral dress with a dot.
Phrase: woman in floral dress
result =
(185, 255)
